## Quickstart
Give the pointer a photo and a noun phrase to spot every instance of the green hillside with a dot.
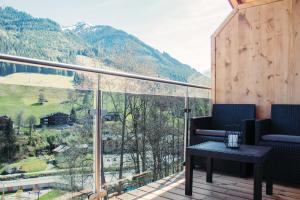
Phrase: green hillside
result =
(14, 98)
(24, 35)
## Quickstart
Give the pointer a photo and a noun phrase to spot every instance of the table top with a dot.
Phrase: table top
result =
(246, 153)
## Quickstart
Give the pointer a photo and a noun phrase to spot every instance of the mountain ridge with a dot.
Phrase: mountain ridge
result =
(43, 38)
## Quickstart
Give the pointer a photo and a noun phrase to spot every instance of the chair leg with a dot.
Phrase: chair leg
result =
(189, 175)
(269, 187)
(243, 170)
(209, 169)
(257, 193)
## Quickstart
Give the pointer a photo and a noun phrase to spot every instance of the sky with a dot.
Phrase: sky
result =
(181, 28)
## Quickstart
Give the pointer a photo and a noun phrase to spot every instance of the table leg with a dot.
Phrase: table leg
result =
(257, 182)
(269, 186)
(209, 169)
(189, 175)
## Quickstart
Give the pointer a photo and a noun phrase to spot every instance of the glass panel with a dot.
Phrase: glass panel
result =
(143, 132)
(46, 132)
(199, 102)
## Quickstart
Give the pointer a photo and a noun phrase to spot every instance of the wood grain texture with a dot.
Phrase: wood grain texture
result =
(255, 3)
(247, 3)
(256, 57)
(223, 187)
(213, 68)
(233, 3)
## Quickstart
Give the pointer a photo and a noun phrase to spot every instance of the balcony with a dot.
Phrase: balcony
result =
(224, 187)
(77, 132)
(84, 128)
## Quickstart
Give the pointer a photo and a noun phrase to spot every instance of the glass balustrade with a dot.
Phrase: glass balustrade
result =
(63, 132)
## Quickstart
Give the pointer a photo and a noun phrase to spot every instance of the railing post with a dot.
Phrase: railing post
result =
(98, 144)
(186, 121)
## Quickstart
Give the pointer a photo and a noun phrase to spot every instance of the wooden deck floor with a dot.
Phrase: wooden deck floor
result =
(223, 187)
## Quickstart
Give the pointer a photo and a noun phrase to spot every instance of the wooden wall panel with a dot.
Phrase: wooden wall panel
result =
(257, 56)
(296, 37)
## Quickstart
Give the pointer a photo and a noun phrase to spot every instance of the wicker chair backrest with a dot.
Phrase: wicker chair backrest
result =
(285, 119)
(229, 114)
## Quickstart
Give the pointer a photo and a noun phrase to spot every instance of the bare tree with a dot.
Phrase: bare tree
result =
(123, 119)
(134, 108)
(144, 104)
(77, 159)
(19, 120)
(31, 121)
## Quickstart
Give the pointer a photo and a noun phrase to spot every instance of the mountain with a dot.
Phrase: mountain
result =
(22, 34)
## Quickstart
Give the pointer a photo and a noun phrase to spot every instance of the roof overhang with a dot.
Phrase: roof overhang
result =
(235, 3)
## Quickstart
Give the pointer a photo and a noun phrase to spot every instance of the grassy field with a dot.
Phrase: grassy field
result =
(15, 98)
(52, 195)
(38, 80)
(20, 92)
(31, 164)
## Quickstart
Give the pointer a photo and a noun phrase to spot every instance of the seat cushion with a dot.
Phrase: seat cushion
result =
(218, 133)
(281, 138)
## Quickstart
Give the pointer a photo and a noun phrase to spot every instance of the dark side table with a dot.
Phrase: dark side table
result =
(246, 153)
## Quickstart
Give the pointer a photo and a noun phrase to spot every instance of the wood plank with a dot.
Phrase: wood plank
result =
(217, 192)
(291, 188)
(245, 188)
(126, 196)
(213, 69)
(232, 189)
(146, 195)
(233, 3)
(225, 22)
(256, 3)
(254, 55)
(223, 187)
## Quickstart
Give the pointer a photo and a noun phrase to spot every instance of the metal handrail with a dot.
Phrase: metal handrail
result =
(44, 63)
(98, 133)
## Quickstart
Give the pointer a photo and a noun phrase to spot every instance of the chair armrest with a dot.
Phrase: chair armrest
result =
(261, 127)
(248, 127)
(200, 123)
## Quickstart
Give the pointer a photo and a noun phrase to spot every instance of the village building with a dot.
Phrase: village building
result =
(4, 120)
(55, 119)
(111, 116)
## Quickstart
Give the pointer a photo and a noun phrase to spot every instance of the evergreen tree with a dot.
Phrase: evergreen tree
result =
(87, 101)
(10, 140)
(73, 116)
(41, 99)
(78, 79)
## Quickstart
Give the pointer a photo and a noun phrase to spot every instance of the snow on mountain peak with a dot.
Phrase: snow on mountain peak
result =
(77, 27)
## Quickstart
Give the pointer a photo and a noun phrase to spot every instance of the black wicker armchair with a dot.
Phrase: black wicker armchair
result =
(282, 132)
(213, 129)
